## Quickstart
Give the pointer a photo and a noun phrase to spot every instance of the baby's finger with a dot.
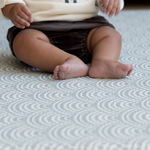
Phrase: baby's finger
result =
(26, 11)
(18, 24)
(117, 10)
(113, 10)
(22, 15)
(105, 4)
(110, 7)
(100, 2)
(22, 21)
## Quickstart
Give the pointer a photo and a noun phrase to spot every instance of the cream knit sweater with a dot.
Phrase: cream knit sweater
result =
(69, 10)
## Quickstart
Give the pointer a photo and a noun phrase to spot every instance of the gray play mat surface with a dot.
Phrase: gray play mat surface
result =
(40, 113)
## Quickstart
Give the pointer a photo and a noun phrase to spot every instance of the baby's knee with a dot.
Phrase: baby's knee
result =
(107, 31)
(23, 41)
(117, 35)
(114, 35)
(20, 41)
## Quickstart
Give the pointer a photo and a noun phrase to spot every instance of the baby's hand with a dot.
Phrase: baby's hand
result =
(20, 15)
(110, 6)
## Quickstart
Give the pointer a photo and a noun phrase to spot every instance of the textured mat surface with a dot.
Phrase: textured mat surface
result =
(40, 113)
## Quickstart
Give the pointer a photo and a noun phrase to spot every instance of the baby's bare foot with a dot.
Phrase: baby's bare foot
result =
(105, 68)
(73, 67)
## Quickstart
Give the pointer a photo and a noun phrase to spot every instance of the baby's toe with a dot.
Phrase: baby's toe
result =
(56, 72)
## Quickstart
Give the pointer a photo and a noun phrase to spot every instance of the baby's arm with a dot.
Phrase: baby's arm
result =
(19, 14)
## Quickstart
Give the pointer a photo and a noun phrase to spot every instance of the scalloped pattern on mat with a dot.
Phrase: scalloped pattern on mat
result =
(40, 113)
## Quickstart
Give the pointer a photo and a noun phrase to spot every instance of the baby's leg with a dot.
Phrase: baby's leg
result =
(104, 44)
(33, 47)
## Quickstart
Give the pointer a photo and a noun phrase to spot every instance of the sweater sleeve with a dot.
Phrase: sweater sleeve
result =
(121, 4)
(3, 3)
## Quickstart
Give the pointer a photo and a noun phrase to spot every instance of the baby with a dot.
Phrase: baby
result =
(62, 36)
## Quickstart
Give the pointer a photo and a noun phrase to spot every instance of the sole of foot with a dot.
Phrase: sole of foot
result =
(73, 67)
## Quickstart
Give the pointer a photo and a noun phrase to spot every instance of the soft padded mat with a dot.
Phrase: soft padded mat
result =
(40, 113)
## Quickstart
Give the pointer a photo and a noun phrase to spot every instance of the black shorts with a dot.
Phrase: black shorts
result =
(70, 36)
